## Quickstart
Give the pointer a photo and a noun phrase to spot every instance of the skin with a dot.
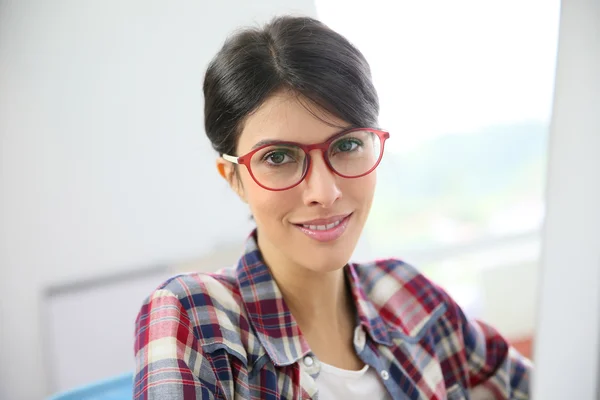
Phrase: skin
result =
(309, 273)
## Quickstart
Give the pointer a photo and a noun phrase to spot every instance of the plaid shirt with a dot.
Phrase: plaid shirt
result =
(230, 335)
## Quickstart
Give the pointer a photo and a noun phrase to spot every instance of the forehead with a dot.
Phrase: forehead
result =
(286, 116)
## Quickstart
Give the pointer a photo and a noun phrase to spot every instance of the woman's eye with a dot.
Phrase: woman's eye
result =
(346, 145)
(277, 158)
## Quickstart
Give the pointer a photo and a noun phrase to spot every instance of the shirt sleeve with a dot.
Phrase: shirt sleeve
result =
(496, 370)
(169, 363)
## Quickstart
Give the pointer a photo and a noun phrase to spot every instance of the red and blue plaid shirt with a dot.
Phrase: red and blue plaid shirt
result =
(230, 335)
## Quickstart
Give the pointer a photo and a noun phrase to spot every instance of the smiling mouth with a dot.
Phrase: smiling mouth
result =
(323, 227)
(325, 230)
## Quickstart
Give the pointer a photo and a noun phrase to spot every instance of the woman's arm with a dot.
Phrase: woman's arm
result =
(169, 363)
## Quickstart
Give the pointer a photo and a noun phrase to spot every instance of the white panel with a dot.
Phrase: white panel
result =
(90, 329)
(567, 343)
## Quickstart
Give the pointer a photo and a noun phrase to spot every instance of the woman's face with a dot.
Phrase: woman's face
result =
(290, 223)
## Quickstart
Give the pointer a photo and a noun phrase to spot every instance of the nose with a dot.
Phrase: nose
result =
(320, 183)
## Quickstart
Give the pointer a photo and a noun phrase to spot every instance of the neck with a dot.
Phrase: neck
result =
(319, 301)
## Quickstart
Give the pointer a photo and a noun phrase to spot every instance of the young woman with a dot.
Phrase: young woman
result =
(292, 112)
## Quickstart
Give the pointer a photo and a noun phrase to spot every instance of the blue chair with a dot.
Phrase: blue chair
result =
(116, 388)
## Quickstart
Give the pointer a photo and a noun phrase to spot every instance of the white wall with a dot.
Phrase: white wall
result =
(567, 345)
(103, 161)
(100, 312)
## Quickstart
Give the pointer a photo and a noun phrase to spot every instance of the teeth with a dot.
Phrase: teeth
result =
(322, 227)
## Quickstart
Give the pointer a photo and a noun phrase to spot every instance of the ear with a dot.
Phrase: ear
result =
(228, 172)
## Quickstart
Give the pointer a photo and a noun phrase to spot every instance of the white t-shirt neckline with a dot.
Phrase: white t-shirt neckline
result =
(336, 383)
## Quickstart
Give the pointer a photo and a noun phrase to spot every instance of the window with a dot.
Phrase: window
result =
(466, 91)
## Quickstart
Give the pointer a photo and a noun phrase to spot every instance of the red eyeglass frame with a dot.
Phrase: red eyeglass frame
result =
(307, 148)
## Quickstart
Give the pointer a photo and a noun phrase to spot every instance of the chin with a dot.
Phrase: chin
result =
(326, 256)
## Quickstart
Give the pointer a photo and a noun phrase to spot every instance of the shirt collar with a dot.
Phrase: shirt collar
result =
(272, 320)
(368, 315)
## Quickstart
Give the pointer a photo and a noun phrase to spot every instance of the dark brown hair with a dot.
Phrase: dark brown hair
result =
(297, 53)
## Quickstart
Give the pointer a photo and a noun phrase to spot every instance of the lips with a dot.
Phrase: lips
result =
(325, 229)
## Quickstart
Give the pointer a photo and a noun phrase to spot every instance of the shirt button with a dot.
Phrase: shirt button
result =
(308, 361)
(359, 338)
(384, 375)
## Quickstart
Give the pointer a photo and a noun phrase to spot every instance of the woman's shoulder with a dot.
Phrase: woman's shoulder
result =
(207, 299)
(409, 300)
(203, 288)
(391, 273)
(204, 311)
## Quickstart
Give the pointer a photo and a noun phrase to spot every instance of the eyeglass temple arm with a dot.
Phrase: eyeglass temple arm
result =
(231, 158)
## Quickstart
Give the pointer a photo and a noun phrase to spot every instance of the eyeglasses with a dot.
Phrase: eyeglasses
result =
(283, 165)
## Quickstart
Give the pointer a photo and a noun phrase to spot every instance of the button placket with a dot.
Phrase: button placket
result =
(309, 371)
(310, 364)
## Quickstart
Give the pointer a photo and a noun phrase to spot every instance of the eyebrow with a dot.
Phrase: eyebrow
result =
(265, 142)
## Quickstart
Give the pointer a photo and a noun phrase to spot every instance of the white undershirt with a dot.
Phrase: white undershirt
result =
(335, 383)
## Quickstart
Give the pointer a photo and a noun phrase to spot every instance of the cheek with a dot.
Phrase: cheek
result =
(268, 207)
(361, 190)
